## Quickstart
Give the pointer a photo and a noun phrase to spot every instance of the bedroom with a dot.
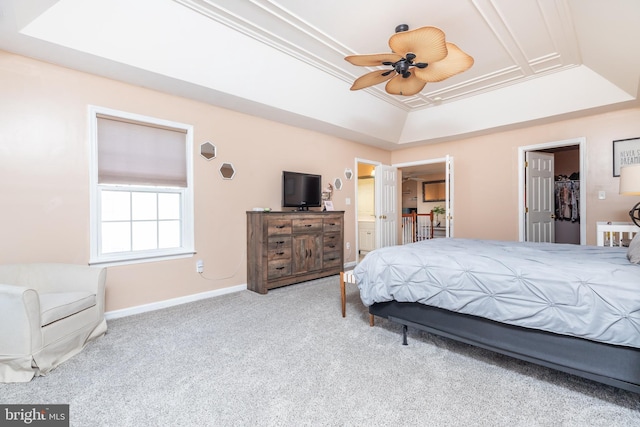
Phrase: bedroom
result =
(44, 164)
(51, 100)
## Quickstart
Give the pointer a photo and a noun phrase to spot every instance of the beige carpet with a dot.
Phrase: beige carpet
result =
(288, 358)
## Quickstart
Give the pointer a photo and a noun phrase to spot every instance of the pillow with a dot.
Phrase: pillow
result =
(633, 253)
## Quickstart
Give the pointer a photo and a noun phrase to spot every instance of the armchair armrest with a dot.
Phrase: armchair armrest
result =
(19, 308)
(57, 277)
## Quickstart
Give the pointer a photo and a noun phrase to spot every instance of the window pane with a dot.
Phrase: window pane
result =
(145, 235)
(115, 206)
(168, 206)
(144, 206)
(169, 234)
(116, 237)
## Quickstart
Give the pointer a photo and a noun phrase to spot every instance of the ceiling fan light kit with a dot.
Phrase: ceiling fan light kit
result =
(418, 57)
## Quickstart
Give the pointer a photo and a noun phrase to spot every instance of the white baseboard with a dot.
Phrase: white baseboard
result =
(171, 302)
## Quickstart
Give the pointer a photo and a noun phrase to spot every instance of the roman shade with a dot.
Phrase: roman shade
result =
(140, 153)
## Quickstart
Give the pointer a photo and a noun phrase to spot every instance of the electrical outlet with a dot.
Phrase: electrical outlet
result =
(199, 266)
(348, 245)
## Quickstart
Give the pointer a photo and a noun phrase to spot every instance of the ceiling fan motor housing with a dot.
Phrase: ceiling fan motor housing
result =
(402, 66)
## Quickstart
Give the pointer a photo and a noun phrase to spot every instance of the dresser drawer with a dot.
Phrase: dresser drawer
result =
(278, 268)
(332, 259)
(307, 225)
(278, 226)
(331, 242)
(279, 254)
(332, 225)
(279, 242)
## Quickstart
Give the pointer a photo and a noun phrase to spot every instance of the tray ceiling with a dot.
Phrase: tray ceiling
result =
(535, 60)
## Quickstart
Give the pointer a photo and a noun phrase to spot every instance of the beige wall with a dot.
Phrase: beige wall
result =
(486, 172)
(44, 170)
(44, 185)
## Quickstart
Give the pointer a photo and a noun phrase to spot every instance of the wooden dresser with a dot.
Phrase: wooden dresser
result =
(291, 247)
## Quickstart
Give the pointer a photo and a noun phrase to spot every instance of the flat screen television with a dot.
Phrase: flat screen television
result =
(301, 190)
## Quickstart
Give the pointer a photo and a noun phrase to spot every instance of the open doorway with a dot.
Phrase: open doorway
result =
(423, 195)
(565, 195)
(365, 207)
(370, 192)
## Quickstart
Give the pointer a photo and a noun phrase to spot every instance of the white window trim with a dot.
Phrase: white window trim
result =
(187, 248)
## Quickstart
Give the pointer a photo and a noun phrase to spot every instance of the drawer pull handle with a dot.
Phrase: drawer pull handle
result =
(307, 225)
(280, 226)
(280, 242)
(332, 246)
(279, 268)
(279, 253)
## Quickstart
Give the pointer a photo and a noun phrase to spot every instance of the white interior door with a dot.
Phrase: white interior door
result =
(449, 196)
(539, 197)
(386, 201)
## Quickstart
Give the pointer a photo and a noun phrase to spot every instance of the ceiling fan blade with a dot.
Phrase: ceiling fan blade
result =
(372, 60)
(456, 62)
(372, 78)
(405, 86)
(427, 43)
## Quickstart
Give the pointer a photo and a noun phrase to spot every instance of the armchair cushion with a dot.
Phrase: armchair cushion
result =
(58, 305)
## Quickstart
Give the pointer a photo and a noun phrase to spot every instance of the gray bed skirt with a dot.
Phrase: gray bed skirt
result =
(617, 366)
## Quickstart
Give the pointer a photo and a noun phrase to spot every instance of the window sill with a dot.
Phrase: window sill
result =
(141, 259)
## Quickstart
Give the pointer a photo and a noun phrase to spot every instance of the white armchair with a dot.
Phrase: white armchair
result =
(48, 313)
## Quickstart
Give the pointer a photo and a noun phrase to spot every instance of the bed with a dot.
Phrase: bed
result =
(568, 307)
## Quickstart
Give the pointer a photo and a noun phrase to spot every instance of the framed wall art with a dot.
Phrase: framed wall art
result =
(434, 191)
(625, 152)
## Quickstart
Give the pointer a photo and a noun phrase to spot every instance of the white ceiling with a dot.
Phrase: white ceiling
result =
(535, 60)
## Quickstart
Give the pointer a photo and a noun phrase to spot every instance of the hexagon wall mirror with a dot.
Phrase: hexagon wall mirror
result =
(227, 171)
(337, 184)
(208, 150)
(348, 173)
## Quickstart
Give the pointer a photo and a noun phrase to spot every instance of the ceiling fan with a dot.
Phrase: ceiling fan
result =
(411, 178)
(418, 56)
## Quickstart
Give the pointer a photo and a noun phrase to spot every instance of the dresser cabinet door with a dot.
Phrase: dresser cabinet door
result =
(307, 253)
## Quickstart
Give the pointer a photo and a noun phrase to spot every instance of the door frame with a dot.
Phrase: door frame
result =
(581, 142)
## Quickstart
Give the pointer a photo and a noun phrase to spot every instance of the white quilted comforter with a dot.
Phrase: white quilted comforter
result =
(585, 291)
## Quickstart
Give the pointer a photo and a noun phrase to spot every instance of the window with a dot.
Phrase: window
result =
(141, 191)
